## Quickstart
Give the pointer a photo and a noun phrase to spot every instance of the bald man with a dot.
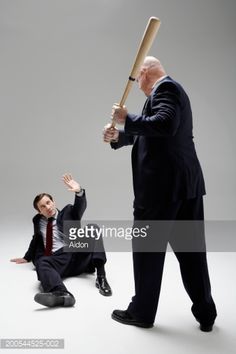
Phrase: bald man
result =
(168, 185)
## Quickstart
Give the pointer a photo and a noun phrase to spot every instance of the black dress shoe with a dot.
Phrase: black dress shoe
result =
(55, 298)
(125, 318)
(103, 286)
(206, 327)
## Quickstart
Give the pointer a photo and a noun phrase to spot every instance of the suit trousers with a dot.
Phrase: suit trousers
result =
(51, 269)
(148, 266)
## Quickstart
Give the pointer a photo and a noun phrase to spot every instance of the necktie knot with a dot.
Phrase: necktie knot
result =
(50, 219)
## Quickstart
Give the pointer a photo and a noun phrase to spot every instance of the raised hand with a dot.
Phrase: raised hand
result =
(72, 185)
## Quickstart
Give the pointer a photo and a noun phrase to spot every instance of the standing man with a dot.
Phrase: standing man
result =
(46, 249)
(168, 185)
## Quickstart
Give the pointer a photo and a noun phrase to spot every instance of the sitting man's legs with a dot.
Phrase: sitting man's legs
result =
(50, 269)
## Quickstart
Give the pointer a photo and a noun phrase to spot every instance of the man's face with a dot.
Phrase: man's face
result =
(47, 207)
(142, 79)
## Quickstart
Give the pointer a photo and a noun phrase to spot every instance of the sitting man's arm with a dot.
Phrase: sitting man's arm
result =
(28, 255)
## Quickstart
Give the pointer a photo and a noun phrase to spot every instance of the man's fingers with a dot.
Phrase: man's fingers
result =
(116, 106)
(109, 133)
(107, 126)
(67, 178)
(108, 136)
(18, 260)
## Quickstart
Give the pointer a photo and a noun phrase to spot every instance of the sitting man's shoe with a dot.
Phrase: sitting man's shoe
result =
(55, 298)
(103, 286)
(125, 318)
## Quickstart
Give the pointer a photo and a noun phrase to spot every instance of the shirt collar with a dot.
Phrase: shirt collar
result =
(54, 217)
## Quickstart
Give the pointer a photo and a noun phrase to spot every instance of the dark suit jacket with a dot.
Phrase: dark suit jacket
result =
(164, 161)
(69, 212)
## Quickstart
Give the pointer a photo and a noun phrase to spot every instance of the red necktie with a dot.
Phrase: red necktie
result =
(48, 248)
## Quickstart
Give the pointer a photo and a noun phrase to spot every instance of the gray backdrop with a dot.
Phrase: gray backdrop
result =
(63, 63)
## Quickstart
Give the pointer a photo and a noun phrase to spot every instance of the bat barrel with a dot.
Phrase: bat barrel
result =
(144, 47)
(145, 44)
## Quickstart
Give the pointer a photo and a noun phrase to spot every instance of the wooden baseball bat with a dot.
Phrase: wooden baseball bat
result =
(144, 47)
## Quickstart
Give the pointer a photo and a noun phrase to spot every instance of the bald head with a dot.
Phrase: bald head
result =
(151, 71)
(154, 64)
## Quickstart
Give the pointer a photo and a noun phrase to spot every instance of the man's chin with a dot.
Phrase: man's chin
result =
(50, 215)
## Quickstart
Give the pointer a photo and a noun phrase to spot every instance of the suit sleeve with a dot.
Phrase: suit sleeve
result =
(124, 140)
(31, 250)
(36, 247)
(79, 206)
(165, 114)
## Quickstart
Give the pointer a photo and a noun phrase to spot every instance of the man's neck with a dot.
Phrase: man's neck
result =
(159, 79)
(149, 91)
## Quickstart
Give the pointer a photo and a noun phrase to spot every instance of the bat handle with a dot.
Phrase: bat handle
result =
(113, 123)
(127, 91)
(124, 97)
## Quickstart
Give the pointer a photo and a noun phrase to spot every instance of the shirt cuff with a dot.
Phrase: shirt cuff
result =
(80, 193)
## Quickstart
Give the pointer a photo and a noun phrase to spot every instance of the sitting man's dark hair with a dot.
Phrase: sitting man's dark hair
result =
(39, 197)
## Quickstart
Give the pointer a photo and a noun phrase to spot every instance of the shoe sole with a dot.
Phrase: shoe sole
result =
(45, 300)
(134, 323)
(52, 301)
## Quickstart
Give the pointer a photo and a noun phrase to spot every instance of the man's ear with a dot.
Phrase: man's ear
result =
(143, 70)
